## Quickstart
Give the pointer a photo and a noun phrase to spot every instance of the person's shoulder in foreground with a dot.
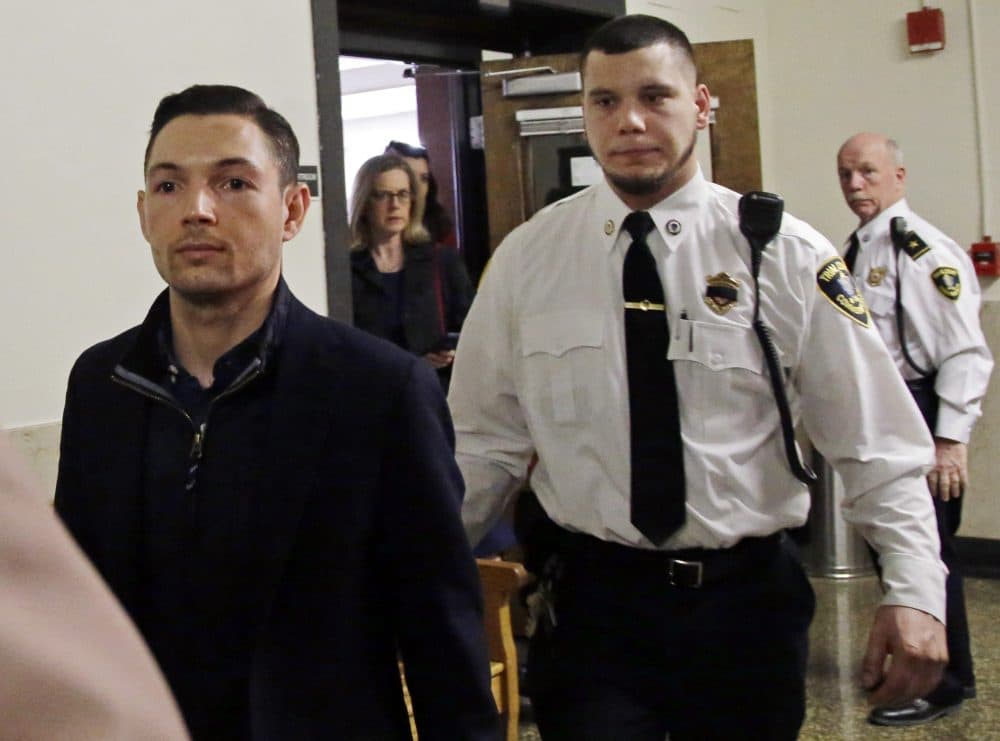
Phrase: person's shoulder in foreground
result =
(72, 665)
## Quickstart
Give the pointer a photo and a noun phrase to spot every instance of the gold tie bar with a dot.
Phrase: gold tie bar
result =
(644, 305)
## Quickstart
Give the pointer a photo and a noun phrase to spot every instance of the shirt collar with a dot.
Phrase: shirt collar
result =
(152, 354)
(674, 217)
(880, 224)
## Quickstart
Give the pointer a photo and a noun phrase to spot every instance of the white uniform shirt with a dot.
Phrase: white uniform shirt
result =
(942, 333)
(541, 368)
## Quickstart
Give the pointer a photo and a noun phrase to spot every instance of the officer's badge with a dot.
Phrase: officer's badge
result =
(948, 283)
(721, 292)
(877, 275)
(835, 282)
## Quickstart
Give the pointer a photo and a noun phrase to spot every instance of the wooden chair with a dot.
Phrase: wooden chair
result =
(500, 581)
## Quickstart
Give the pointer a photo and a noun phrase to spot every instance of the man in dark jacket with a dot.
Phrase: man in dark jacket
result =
(271, 495)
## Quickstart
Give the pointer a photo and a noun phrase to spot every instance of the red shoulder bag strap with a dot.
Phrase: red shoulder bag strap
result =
(438, 290)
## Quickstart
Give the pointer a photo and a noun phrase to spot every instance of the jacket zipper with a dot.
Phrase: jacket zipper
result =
(139, 385)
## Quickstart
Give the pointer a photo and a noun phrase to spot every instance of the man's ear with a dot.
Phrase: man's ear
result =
(297, 200)
(703, 102)
(140, 202)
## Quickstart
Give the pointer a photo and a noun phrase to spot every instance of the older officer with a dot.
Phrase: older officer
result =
(614, 336)
(924, 300)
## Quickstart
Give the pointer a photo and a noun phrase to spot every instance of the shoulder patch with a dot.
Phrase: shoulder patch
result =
(948, 283)
(836, 284)
(914, 246)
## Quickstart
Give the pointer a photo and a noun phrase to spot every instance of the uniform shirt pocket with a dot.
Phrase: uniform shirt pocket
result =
(563, 360)
(881, 301)
(717, 347)
(719, 361)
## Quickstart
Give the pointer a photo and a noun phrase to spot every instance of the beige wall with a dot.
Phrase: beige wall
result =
(840, 67)
(981, 511)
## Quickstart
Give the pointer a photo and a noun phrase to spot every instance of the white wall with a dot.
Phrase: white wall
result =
(704, 21)
(79, 85)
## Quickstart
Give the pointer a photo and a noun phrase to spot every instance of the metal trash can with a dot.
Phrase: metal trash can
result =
(832, 548)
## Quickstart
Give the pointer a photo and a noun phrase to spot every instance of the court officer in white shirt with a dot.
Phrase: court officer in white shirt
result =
(672, 602)
(924, 299)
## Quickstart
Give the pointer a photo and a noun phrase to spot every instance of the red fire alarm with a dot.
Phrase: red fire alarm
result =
(984, 257)
(925, 29)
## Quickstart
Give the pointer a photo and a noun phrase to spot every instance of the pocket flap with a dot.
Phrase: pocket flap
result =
(717, 346)
(880, 302)
(555, 333)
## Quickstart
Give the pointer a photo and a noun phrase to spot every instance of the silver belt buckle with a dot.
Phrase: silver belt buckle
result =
(677, 566)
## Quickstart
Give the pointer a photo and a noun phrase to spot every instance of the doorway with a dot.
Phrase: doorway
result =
(378, 104)
(450, 33)
(428, 106)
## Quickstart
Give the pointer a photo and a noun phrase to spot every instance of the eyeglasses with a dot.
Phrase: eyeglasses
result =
(381, 196)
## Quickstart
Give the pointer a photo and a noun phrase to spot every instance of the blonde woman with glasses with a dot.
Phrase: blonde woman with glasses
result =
(406, 288)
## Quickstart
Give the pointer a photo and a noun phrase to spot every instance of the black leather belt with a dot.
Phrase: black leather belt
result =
(690, 568)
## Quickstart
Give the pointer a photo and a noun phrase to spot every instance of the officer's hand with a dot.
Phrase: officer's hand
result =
(951, 472)
(440, 359)
(915, 646)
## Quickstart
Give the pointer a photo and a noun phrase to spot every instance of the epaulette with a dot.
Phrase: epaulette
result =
(906, 240)
(914, 246)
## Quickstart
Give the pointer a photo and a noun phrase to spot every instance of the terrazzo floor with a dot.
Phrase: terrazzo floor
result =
(836, 707)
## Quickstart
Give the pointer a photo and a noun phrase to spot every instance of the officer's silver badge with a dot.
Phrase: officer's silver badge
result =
(721, 292)
(877, 275)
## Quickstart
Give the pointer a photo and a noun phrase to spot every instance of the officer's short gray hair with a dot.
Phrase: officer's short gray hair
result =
(895, 151)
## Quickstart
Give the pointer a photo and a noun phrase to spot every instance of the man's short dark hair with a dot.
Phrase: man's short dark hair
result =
(630, 32)
(208, 100)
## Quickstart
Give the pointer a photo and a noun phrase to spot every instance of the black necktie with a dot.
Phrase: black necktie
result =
(657, 453)
(852, 253)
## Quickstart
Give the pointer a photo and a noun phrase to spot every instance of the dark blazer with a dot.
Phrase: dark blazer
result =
(422, 317)
(361, 552)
